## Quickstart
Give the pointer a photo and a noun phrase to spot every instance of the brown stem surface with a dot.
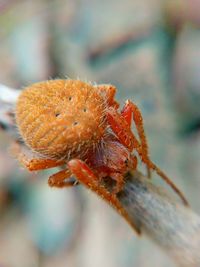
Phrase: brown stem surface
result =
(173, 226)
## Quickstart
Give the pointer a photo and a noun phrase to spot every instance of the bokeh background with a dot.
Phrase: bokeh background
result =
(149, 49)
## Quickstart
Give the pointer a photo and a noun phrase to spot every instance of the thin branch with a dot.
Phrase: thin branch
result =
(174, 227)
(8, 98)
(171, 225)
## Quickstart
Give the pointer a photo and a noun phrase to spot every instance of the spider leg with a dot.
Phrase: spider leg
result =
(126, 112)
(131, 110)
(34, 164)
(109, 90)
(122, 130)
(86, 176)
(134, 162)
(59, 179)
(169, 182)
(126, 137)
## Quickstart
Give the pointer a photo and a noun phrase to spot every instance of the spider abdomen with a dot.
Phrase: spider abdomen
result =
(59, 118)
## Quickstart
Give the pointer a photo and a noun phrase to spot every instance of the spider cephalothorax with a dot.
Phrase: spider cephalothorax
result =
(73, 123)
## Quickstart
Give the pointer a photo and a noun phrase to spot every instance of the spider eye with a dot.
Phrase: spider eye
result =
(70, 98)
(84, 110)
(57, 114)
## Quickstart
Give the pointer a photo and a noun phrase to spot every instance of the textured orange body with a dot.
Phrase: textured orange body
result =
(61, 118)
(80, 126)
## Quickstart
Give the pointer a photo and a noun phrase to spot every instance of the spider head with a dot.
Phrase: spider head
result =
(118, 157)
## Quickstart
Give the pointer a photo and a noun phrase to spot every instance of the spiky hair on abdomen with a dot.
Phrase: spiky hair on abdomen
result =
(58, 118)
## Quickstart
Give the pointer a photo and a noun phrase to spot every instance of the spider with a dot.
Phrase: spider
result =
(79, 125)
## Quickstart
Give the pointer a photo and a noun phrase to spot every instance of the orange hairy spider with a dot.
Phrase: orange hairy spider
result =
(79, 125)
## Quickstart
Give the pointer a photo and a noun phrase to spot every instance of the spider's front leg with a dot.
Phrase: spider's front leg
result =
(129, 111)
(120, 124)
(121, 128)
(86, 176)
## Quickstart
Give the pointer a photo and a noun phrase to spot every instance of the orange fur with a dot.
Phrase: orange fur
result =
(79, 122)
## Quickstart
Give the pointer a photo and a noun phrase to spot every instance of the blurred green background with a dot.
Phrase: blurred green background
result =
(149, 49)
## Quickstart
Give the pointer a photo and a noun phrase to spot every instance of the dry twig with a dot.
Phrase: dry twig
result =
(173, 226)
